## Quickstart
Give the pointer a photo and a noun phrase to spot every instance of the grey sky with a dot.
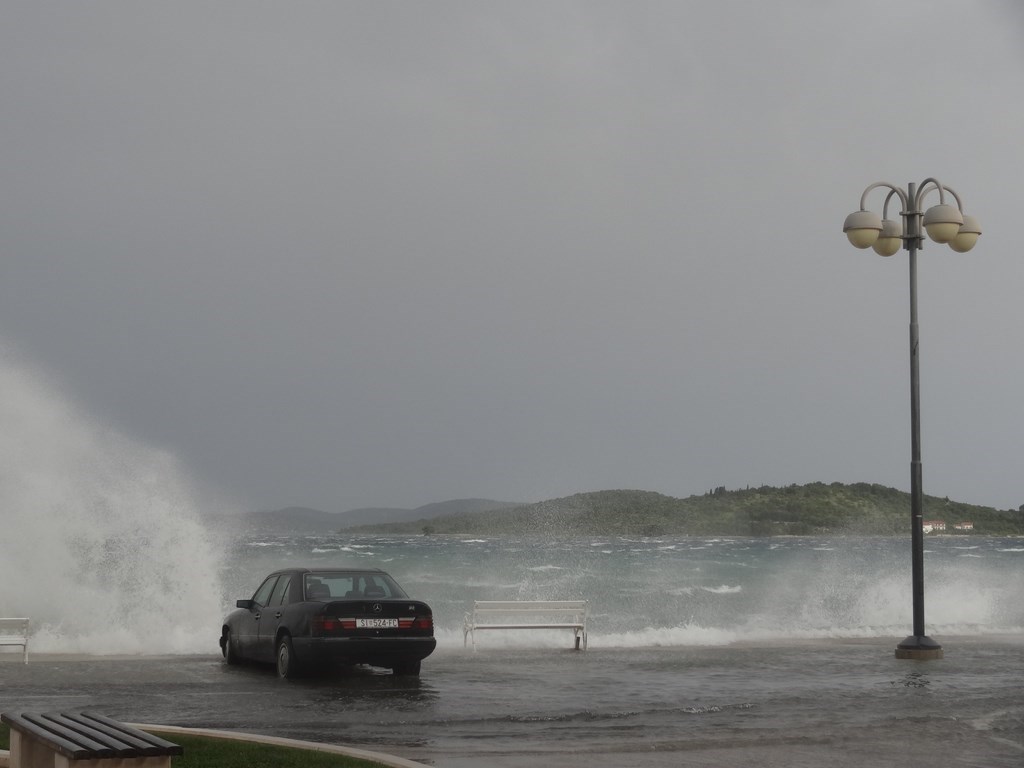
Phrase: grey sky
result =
(349, 254)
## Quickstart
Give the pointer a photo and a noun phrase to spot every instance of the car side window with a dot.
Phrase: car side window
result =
(262, 596)
(277, 597)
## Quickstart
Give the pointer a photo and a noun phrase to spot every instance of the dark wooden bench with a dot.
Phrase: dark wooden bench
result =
(59, 739)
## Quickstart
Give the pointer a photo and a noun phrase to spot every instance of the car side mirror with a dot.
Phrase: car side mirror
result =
(247, 604)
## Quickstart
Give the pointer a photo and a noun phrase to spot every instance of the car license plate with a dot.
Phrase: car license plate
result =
(376, 623)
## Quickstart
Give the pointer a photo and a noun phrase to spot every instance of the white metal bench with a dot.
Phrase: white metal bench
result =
(527, 614)
(15, 632)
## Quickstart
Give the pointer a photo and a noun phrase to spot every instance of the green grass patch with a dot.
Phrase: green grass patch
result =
(209, 752)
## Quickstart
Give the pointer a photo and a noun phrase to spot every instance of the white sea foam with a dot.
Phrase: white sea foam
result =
(724, 589)
(102, 544)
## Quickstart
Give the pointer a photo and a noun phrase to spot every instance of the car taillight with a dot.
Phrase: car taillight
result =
(418, 622)
(326, 625)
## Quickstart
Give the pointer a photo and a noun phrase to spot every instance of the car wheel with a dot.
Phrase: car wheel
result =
(228, 646)
(287, 664)
(407, 668)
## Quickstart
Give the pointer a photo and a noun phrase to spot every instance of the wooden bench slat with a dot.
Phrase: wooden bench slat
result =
(92, 746)
(122, 744)
(163, 746)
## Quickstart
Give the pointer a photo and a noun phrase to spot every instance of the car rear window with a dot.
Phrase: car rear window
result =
(351, 585)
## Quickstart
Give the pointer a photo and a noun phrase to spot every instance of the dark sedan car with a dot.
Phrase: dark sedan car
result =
(309, 619)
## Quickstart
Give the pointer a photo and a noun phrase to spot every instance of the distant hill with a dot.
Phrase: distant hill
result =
(292, 520)
(372, 515)
(795, 510)
(306, 520)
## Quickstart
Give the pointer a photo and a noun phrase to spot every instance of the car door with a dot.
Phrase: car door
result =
(270, 619)
(247, 628)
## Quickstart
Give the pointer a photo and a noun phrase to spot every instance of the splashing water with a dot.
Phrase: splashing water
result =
(654, 592)
(101, 543)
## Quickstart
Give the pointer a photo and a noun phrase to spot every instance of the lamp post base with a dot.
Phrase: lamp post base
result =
(920, 647)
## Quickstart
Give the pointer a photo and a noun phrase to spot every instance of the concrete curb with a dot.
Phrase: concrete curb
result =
(314, 746)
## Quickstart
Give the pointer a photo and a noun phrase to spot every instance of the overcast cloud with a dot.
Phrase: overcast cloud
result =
(343, 254)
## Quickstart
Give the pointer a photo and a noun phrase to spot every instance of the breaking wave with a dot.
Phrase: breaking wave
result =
(103, 547)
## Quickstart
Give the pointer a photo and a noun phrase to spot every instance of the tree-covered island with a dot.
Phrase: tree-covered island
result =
(795, 510)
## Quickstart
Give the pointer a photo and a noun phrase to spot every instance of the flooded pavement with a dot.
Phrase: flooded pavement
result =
(845, 703)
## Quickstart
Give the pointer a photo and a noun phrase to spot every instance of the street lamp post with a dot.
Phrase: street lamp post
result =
(944, 224)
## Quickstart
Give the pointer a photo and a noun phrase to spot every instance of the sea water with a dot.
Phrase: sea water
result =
(665, 591)
(105, 583)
